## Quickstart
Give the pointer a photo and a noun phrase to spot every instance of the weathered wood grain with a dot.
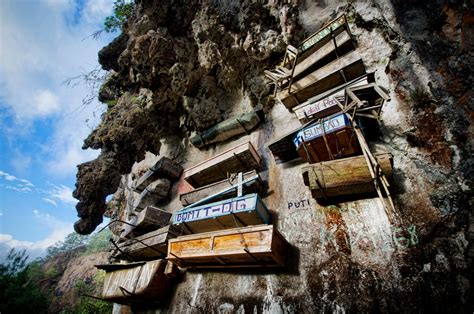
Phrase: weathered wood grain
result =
(343, 176)
(227, 129)
(191, 197)
(344, 69)
(149, 246)
(151, 218)
(230, 213)
(240, 158)
(139, 283)
(164, 168)
(255, 246)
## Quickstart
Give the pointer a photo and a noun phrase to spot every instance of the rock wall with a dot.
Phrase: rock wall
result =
(182, 66)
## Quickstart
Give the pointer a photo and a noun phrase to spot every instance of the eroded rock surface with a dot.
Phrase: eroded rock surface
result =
(188, 65)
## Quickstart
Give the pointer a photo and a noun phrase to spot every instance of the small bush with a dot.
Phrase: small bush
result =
(122, 12)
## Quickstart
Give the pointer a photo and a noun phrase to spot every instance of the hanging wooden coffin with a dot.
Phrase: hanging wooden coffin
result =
(327, 139)
(149, 246)
(240, 158)
(240, 211)
(344, 176)
(256, 246)
(164, 168)
(255, 186)
(320, 107)
(151, 218)
(227, 129)
(333, 27)
(136, 282)
(318, 56)
(337, 72)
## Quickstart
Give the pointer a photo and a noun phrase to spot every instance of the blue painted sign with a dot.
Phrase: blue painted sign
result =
(244, 204)
(328, 125)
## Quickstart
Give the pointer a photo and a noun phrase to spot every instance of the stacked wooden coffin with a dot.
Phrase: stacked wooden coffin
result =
(226, 228)
(326, 86)
(137, 282)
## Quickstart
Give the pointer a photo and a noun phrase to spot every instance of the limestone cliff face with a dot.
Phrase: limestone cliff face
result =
(183, 66)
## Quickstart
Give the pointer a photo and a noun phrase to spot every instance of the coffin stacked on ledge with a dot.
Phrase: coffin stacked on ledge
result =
(223, 233)
(138, 282)
(325, 84)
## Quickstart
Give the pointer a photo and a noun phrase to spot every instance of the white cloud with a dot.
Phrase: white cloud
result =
(48, 200)
(62, 193)
(32, 86)
(58, 232)
(21, 185)
(46, 102)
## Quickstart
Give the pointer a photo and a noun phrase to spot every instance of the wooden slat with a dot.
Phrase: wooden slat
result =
(149, 246)
(343, 176)
(332, 75)
(241, 158)
(245, 210)
(203, 192)
(322, 33)
(266, 246)
(321, 53)
(164, 168)
(227, 129)
(151, 218)
(145, 282)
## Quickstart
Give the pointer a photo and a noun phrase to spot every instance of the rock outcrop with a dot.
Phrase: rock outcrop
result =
(183, 66)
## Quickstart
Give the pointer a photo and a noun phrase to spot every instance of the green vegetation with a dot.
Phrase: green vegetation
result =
(19, 293)
(89, 305)
(123, 10)
(97, 242)
(420, 97)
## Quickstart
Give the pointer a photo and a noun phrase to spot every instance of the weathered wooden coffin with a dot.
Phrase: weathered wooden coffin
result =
(338, 72)
(156, 192)
(333, 27)
(255, 186)
(256, 246)
(327, 139)
(151, 218)
(164, 168)
(344, 176)
(241, 158)
(227, 129)
(240, 211)
(149, 246)
(136, 282)
(308, 110)
(319, 107)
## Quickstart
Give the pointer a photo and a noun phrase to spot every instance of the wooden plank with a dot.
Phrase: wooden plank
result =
(245, 210)
(327, 139)
(343, 176)
(140, 283)
(227, 129)
(163, 168)
(315, 108)
(149, 246)
(322, 33)
(151, 218)
(336, 73)
(318, 55)
(254, 246)
(241, 158)
(156, 192)
(191, 197)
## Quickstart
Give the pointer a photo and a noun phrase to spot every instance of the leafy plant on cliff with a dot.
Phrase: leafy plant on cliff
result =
(88, 304)
(18, 291)
(123, 10)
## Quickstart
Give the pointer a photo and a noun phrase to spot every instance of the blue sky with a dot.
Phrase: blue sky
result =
(43, 43)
